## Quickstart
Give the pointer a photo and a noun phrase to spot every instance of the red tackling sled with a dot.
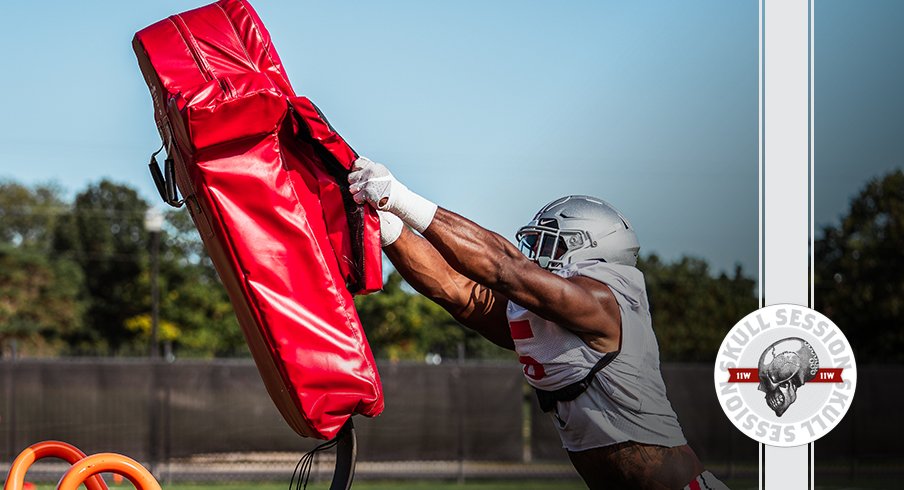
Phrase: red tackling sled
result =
(263, 175)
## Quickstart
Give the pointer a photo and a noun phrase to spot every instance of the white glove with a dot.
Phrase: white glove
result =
(372, 182)
(390, 228)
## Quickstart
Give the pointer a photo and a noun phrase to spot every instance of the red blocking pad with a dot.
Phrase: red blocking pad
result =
(264, 177)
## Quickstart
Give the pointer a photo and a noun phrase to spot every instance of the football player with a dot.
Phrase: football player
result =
(571, 304)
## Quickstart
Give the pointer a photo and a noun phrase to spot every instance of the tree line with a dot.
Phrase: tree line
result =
(75, 280)
(75, 277)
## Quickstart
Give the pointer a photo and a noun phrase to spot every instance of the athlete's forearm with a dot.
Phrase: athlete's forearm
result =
(426, 270)
(477, 253)
(473, 305)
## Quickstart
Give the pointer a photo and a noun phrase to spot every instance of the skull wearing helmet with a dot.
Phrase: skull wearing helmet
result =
(784, 367)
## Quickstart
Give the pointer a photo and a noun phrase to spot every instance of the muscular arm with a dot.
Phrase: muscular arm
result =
(473, 305)
(580, 304)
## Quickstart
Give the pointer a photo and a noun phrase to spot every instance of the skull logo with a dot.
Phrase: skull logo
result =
(784, 367)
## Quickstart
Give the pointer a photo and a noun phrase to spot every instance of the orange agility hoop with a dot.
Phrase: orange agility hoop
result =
(47, 449)
(87, 468)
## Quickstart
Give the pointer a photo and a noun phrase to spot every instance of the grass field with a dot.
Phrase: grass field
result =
(485, 485)
(389, 485)
(415, 485)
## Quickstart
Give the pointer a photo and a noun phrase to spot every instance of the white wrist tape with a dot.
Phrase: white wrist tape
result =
(416, 211)
(390, 228)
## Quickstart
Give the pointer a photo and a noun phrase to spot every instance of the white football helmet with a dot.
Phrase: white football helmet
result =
(575, 228)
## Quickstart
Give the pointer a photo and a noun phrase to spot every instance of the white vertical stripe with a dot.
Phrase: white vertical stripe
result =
(812, 154)
(785, 108)
(786, 158)
(759, 474)
(759, 207)
(812, 166)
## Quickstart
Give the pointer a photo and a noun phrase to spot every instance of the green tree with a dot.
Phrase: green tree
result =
(40, 300)
(41, 296)
(860, 271)
(76, 277)
(194, 299)
(693, 309)
(28, 215)
(104, 234)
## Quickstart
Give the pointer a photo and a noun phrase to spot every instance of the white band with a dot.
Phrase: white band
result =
(416, 211)
(390, 228)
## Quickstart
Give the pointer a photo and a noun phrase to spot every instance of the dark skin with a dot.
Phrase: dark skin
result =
(473, 273)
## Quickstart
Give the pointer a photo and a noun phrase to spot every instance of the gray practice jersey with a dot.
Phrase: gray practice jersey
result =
(627, 400)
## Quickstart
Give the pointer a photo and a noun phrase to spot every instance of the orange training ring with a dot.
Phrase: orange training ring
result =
(47, 449)
(108, 462)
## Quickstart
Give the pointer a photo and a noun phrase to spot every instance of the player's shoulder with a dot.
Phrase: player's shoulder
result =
(604, 272)
(626, 281)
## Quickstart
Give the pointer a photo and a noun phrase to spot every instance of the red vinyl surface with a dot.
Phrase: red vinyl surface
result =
(263, 176)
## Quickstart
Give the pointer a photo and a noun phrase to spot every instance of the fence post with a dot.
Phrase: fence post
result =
(166, 432)
(154, 419)
(459, 416)
(10, 382)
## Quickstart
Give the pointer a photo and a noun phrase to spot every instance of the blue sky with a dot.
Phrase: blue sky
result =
(491, 109)
(859, 128)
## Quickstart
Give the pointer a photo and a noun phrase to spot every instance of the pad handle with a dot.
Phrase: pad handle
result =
(165, 180)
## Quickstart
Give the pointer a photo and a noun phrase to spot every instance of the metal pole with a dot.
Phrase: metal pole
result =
(153, 223)
(154, 402)
(457, 386)
(155, 293)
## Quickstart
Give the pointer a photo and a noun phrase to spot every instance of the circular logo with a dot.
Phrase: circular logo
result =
(785, 375)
